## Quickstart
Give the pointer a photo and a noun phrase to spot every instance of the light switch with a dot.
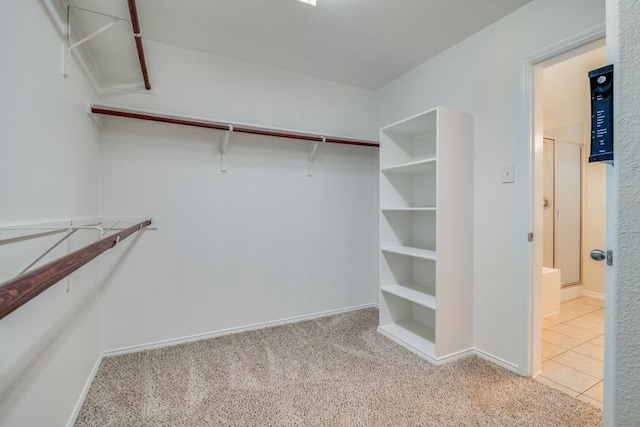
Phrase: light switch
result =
(508, 173)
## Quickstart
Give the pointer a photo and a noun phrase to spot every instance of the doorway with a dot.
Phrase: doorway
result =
(571, 334)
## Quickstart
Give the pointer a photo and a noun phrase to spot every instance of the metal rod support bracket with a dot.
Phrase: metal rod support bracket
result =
(70, 46)
(224, 148)
(313, 148)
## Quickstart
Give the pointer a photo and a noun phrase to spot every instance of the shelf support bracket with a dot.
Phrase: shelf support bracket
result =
(70, 46)
(313, 147)
(224, 148)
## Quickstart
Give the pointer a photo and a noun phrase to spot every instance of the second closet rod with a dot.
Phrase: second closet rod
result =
(229, 127)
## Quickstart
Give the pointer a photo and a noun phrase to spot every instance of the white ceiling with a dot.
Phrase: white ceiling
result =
(363, 43)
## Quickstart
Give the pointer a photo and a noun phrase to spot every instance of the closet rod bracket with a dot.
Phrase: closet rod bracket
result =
(224, 148)
(70, 46)
(313, 148)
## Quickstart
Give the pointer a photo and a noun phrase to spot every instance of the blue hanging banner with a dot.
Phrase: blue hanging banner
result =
(601, 114)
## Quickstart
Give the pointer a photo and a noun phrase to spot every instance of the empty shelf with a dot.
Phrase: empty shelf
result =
(413, 294)
(423, 209)
(416, 166)
(414, 252)
(413, 334)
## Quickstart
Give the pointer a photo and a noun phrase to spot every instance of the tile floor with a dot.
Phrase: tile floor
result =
(573, 349)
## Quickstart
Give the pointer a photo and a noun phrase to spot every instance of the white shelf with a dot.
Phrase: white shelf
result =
(416, 166)
(426, 201)
(423, 209)
(413, 252)
(413, 334)
(415, 126)
(411, 293)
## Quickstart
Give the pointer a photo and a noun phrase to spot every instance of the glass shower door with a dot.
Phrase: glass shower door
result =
(568, 212)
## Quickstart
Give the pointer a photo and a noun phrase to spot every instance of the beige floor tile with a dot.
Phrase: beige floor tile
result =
(598, 340)
(557, 386)
(590, 401)
(576, 307)
(574, 332)
(562, 317)
(568, 377)
(596, 316)
(590, 301)
(582, 363)
(549, 350)
(596, 392)
(582, 323)
(547, 323)
(589, 349)
(560, 340)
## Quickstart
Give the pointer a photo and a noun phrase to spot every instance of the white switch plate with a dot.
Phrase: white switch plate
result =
(508, 173)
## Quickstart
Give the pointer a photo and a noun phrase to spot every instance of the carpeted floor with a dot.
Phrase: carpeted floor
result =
(334, 371)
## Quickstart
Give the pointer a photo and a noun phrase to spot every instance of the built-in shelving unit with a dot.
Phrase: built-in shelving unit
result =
(414, 166)
(412, 252)
(408, 209)
(426, 233)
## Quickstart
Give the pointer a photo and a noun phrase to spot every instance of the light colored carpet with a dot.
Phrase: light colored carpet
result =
(334, 371)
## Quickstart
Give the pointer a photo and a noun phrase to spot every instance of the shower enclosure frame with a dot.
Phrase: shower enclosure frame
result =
(554, 141)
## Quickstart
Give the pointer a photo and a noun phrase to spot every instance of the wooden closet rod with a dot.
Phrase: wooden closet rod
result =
(16, 292)
(137, 35)
(228, 127)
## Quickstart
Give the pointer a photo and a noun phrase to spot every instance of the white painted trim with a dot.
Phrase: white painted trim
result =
(569, 44)
(454, 356)
(498, 361)
(409, 347)
(457, 355)
(571, 293)
(230, 331)
(85, 391)
(592, 294)
(433, 360)
(532, 346)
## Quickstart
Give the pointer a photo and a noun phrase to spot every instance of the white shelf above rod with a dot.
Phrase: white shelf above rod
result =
(155, 116)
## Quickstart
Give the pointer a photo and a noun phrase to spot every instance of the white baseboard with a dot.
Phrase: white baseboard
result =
(592, 294)
(85, 391)
(454, 356)
(571, 293)
(214, 334)
(412, 349)
(500, 362)
(433, 360)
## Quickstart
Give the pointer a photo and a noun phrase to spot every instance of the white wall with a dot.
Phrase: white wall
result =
(200, 84)
(622, 340)
(261, 242)
(567, 117)
(482, 75)
(48, 163)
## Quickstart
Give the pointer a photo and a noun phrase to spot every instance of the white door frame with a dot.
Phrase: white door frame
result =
(533, 133)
